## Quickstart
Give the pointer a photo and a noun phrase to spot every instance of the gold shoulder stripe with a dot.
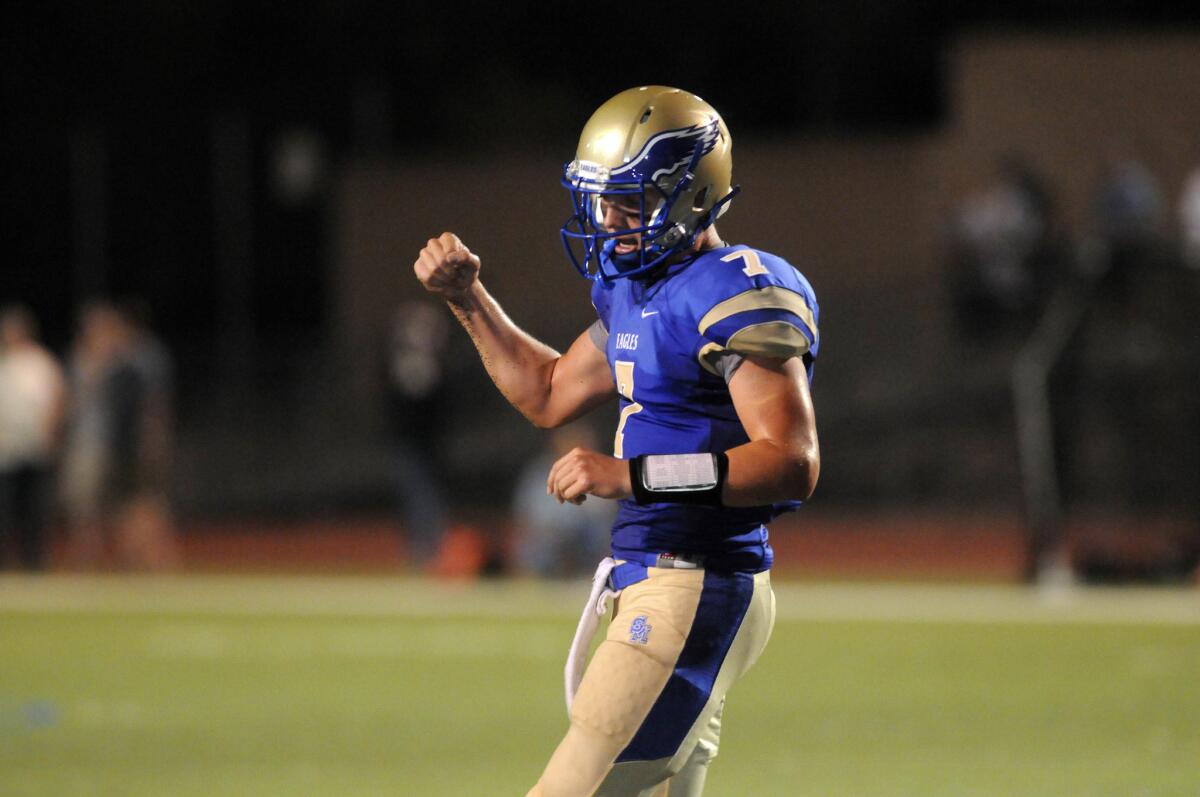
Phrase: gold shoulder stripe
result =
(770, 298)
(769, 339)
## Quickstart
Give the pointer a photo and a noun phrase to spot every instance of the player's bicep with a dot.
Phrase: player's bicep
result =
(773, 403)
(580, 382)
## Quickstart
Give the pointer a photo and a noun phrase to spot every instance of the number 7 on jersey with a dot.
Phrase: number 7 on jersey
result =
(623, 370)
(753, 263)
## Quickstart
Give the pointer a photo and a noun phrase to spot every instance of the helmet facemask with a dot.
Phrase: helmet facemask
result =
(670, 207)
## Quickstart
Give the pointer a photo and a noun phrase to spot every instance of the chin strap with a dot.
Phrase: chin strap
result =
(717, 209)
(707, 221)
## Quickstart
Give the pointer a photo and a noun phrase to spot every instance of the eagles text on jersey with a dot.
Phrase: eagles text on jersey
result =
(671, 345)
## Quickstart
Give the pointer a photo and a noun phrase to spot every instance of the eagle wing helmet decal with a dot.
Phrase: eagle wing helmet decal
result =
(674, 149)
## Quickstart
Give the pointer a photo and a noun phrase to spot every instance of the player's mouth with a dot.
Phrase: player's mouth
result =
(626, 245)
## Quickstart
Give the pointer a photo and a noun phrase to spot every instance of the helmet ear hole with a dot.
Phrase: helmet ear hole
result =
(701, 196)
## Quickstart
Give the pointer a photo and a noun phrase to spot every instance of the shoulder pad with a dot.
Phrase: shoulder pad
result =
(752, 303)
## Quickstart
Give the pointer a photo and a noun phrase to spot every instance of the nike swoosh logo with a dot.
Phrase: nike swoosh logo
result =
(648, 314)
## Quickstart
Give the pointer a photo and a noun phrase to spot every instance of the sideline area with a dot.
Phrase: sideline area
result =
(810, 544)
(399, 596)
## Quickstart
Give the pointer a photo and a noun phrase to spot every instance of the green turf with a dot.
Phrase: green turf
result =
(364, 687)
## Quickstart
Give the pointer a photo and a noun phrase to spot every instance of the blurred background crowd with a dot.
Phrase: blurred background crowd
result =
(212, 340)
(86, 443)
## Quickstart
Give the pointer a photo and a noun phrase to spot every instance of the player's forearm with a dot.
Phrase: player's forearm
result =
(765, 471)
(520, 365)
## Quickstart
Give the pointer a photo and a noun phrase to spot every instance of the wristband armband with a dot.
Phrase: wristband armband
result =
(678, 478)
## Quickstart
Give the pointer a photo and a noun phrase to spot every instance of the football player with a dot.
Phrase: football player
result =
(709, 348)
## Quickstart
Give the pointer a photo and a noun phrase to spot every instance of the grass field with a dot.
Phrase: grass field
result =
(372, 686)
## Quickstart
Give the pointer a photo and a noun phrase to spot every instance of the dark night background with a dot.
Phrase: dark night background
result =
(149, 76)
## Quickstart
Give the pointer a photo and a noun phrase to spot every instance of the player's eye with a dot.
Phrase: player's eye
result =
(621, 205)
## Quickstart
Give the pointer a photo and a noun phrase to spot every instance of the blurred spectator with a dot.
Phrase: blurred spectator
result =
(1189, 219)
(118, 444)
(145, 531)
(1002, 250)
(31, 404)
(1124, 366)
(1127, 214)
(558, 540)
(418, 400)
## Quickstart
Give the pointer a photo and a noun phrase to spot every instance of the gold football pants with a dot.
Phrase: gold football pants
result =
(647, 718)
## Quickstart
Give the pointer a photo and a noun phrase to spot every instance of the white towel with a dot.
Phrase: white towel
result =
(595, 608)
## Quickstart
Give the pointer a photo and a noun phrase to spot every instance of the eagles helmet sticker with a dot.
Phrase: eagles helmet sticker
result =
(670, 151)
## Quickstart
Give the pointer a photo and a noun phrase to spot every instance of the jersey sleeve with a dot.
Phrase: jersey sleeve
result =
(598, 335)
(755, 304)
(602, 301)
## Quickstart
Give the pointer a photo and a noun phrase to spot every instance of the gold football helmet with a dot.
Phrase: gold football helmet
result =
(666, 152)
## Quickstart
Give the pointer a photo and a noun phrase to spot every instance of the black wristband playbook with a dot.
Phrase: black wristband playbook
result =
(678, 478)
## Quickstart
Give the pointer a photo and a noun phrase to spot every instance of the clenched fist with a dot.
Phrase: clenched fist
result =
(582, 472)
(447, 267)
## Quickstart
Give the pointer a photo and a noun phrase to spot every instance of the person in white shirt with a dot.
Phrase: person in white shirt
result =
(31, 410)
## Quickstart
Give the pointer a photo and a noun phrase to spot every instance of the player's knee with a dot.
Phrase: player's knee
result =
(621, 684)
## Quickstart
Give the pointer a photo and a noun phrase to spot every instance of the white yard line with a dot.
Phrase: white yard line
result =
(369, 597)
(989, 604)
(485, 640)
(286, 596)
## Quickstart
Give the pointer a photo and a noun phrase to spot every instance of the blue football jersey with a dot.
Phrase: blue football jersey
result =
(665, 344)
